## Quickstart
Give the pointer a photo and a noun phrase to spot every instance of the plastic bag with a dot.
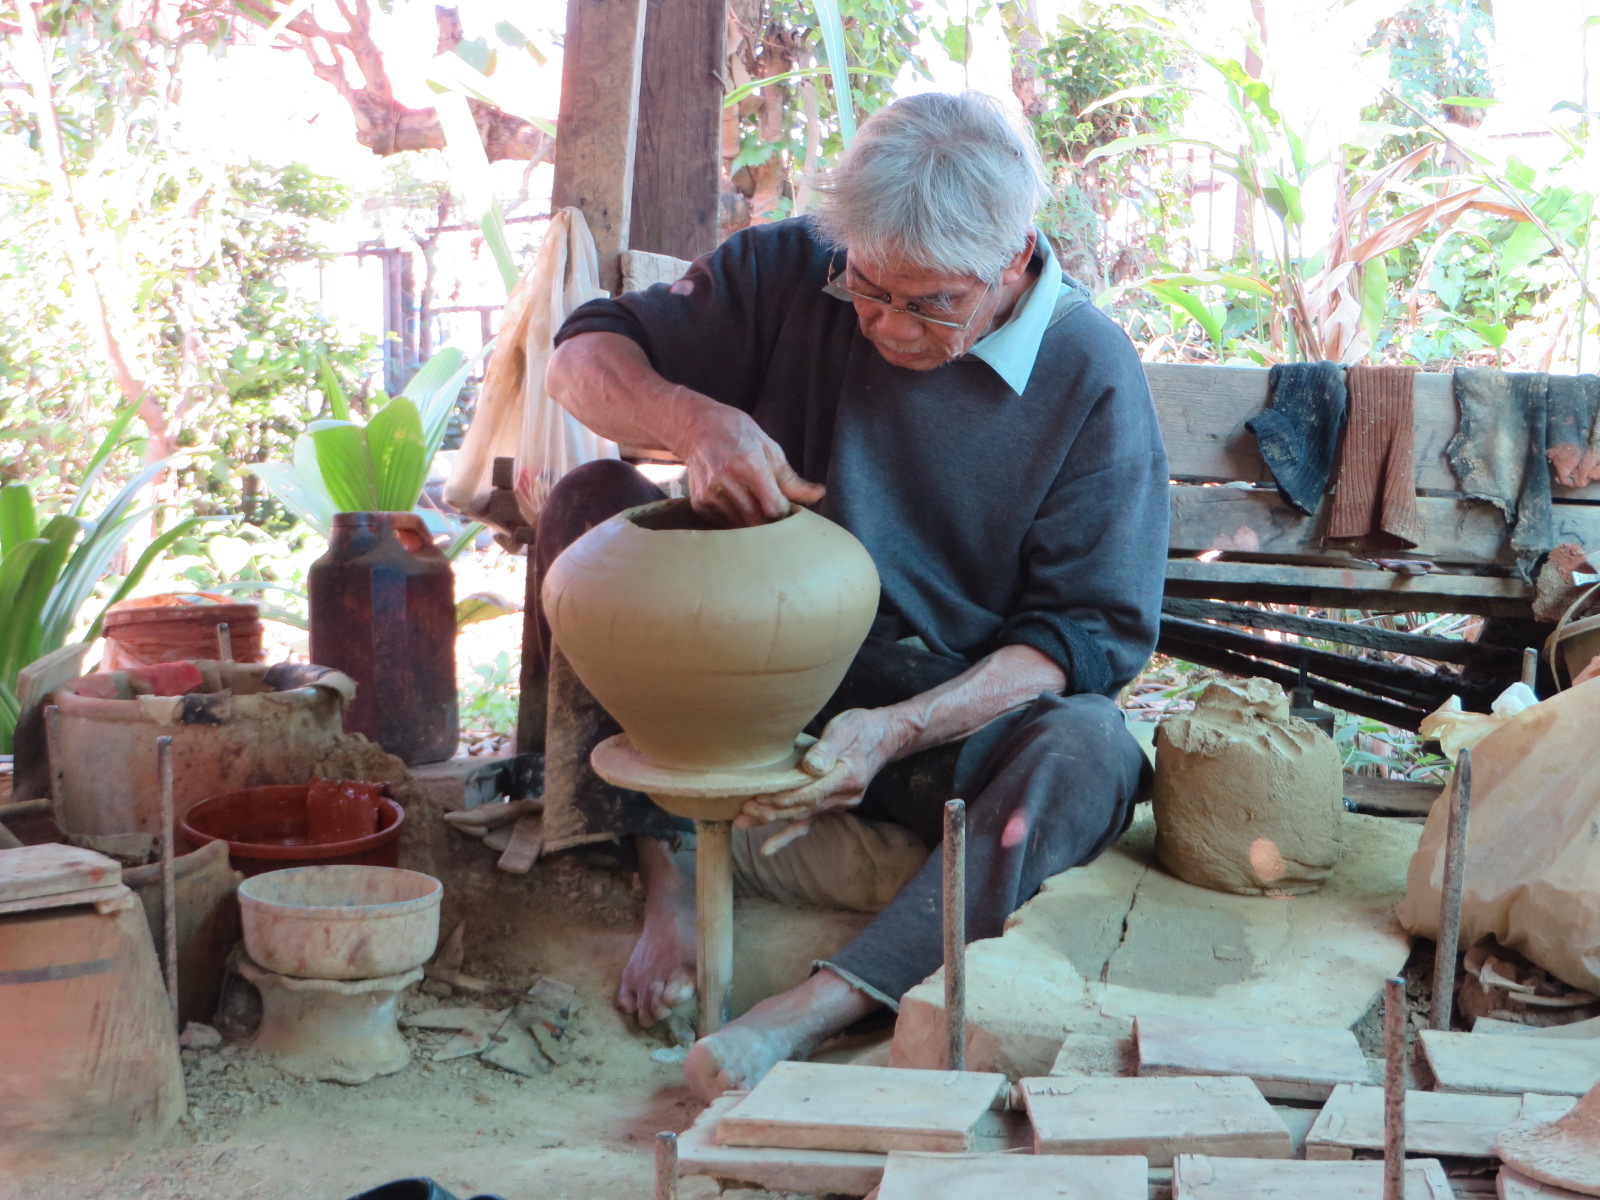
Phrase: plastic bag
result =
(1532, 876)
(1456, 730)
(516, 417)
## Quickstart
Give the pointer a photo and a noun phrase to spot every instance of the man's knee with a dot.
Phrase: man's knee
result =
(1083, 726)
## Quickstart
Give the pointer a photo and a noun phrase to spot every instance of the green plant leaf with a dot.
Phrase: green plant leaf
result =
(755, 85)
(1227, 279)
(19, 520)
(1374, 296)
(332, 390)
(398, 454)
(1493, 332)
(17, 584)
(346, 465)
(463, 540)
(1210, 321)
(481, 606)
(434, 389)
(153, 551)
(832, 24)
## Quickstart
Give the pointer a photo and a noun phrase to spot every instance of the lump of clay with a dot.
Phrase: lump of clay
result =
(1248, 799)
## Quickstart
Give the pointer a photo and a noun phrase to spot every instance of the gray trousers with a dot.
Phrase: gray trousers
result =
(1047, 787)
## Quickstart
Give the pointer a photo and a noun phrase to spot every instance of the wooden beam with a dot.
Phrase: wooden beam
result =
(1331, 587)
(1203, 411)
(599, 122)
(677, 176)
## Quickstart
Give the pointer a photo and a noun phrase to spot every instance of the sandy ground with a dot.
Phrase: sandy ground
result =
(584, 1131)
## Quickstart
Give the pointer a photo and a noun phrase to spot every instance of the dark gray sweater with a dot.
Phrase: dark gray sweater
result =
(994, 518)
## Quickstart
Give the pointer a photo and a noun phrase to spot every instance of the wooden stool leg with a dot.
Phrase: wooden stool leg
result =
(713, 868)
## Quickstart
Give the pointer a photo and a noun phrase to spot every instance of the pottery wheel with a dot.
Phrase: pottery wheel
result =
(1564, 1152)
(713, 799)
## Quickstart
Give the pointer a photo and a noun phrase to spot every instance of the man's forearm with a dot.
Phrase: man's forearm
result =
(998, 683)
(607, 382)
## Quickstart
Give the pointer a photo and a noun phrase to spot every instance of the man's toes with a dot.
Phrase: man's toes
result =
(677, 990)
(625, 1000)
(651, 1009)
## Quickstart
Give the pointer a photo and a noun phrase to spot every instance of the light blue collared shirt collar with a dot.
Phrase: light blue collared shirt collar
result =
(1012, 349)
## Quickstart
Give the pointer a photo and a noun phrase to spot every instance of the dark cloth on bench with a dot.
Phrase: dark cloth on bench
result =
(1298, 433)
(1048, 787)
(1499, 453)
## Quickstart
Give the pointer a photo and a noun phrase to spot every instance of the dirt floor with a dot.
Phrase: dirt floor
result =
(584, 1131)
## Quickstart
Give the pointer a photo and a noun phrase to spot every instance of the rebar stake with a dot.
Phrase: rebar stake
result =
(224, 642)
(169, 871)
(1395, 1049)
(1455, 864)
(666, 1166)
(955, 933)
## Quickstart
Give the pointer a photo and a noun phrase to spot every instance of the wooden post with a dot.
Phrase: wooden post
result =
(599, 121)
(1395, 1030)
(676, 175)
(224, 641)
(713, 872)
(955, 933)
(1455, 866)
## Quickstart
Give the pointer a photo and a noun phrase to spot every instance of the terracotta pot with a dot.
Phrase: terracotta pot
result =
(266, 830)
(711, 647)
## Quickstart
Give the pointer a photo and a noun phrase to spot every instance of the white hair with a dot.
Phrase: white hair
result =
(944, 181)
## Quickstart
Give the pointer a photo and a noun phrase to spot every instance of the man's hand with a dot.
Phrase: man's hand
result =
(737, 474)
(856, 745)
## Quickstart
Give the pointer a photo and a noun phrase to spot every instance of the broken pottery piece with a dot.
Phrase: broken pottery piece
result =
(711, 647)
(1248, 799)
(1564, 1151)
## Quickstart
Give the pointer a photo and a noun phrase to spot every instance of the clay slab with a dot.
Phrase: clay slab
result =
(1495, 1065)
(1016, 1177)
(1436, 1122)
(828, 1106)
(1196, 1177)
(53, 869)
(1121, 938)
(1510, 1185)
(1158, 1118)
(807, 1172)
(1286, 1062)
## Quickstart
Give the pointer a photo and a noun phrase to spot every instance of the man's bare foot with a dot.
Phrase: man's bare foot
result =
(660, 972)
(789, 1025)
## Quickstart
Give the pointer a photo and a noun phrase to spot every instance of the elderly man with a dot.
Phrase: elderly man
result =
(912, 362)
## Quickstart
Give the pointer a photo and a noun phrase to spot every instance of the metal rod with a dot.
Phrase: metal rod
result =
(955, 933)
(1530, 665)
(713, 872)
(224, 642)
(169, 874)
(1395, 1030)
(58, 763)
(1455, 869)
(666, 1166)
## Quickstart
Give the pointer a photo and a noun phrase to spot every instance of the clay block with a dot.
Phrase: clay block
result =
(1436, 1122)
(1158, 1118)
(1287, 1062)
(1016, 1177)
(826, 1106)
(52, 870)
(1491, 1064)
(1196, 1177)
(1511, 1185)
(806, 1172)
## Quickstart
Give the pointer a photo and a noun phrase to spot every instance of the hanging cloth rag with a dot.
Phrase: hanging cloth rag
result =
(1299, 432)
(1499, 453)
(1573, 439)
(516, 417)
(1376, 500)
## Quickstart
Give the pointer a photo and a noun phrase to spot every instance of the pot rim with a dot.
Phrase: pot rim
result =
(350, 912)
(271, 850)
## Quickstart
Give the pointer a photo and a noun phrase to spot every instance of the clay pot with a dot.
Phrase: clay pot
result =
(1247, 798)
(711, 647)
(1563, 1151)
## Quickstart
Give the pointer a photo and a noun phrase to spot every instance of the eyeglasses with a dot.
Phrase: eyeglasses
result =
(839, 290)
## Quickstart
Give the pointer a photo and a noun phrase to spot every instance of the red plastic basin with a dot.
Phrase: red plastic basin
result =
(265, 828)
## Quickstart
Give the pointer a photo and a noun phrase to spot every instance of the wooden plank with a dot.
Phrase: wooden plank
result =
(1197, 1177)
(1588, 1028)
(984, 1176)
(52, 869)
(1158, 1118)
(1512, 1185)
(1203, 411)
(1334, 587)
(676, 173)
(1286, 1062)
(1436, 1122)
(599, 121)
(831, 1106)
(1493, 1065)
(1390, 797)
(806, 1172)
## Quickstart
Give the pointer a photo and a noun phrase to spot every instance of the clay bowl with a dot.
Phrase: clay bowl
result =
(340, 922)
(711, 647)
(265, 828)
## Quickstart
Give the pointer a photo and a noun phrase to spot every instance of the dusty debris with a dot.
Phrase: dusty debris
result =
(196, 1036)
(1504, 986)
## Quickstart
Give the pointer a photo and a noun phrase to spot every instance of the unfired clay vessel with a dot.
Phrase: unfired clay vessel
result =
(1563, 1152)
(711, 647)
(1248, 799)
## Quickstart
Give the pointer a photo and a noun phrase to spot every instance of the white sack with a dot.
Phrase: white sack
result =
(1532, 878)
(516, 416)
